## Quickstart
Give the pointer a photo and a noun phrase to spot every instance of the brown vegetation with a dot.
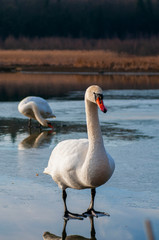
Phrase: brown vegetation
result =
(76, 60)
(140, 46)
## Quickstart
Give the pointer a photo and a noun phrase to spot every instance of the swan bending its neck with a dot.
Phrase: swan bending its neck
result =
(36, 108)
(37, 115)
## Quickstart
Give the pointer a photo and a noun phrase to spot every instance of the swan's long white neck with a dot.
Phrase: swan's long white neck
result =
(93, 126)
(96, 167)
(36, 112)
(38, 116)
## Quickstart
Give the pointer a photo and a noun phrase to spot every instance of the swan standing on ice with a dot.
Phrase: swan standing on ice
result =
(36, 108)
(83, 163)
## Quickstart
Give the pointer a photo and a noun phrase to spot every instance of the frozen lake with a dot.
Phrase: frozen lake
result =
(31, 203)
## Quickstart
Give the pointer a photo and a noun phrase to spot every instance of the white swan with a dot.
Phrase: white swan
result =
(83, 163)
(36, 108)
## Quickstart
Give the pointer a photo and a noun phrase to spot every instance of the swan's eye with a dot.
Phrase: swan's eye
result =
(99, 96)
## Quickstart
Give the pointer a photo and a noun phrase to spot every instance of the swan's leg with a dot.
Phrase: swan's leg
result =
(64, 196)
(40, 127)
(90, 210)
(68, 215)
(29, 123)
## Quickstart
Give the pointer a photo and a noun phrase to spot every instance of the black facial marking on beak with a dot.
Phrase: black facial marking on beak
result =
(98, 95)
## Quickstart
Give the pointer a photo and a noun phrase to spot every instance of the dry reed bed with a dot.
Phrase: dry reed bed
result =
(94, 60)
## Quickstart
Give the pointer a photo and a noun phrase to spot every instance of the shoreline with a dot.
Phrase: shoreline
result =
(65, 70)
(74, 70)
(56, 73)
(99, 61)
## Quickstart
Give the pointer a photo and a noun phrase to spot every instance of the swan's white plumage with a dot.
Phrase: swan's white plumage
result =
(82, 163)
(36, 108)
(66, 169)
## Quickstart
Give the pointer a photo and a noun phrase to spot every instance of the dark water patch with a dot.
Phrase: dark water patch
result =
(125, 134)
(13, 127)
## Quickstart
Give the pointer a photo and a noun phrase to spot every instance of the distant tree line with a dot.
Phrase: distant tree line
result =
(91, 19)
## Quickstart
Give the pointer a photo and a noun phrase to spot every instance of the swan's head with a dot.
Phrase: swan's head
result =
(47, 124)
(95, 94)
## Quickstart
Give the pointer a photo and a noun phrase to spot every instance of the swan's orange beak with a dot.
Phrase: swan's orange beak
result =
(101, 105)
(50, 126)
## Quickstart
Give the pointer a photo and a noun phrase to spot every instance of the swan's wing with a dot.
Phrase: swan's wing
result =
(68, 154)
(43, 106)
(25, 107)
(66, 160)
(111, 162)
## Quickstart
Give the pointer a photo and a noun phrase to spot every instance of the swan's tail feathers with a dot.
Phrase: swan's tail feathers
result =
(53, 116)
(46, 171)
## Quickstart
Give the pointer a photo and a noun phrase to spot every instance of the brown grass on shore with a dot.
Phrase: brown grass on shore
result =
(94, 60)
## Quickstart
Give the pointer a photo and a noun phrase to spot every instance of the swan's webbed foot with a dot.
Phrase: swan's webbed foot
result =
(93, 213)
(69, 215)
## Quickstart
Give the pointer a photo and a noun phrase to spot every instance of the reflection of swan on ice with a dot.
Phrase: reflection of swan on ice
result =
(36, 108)
(50, 236)
(36, 140)
(83, 163)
